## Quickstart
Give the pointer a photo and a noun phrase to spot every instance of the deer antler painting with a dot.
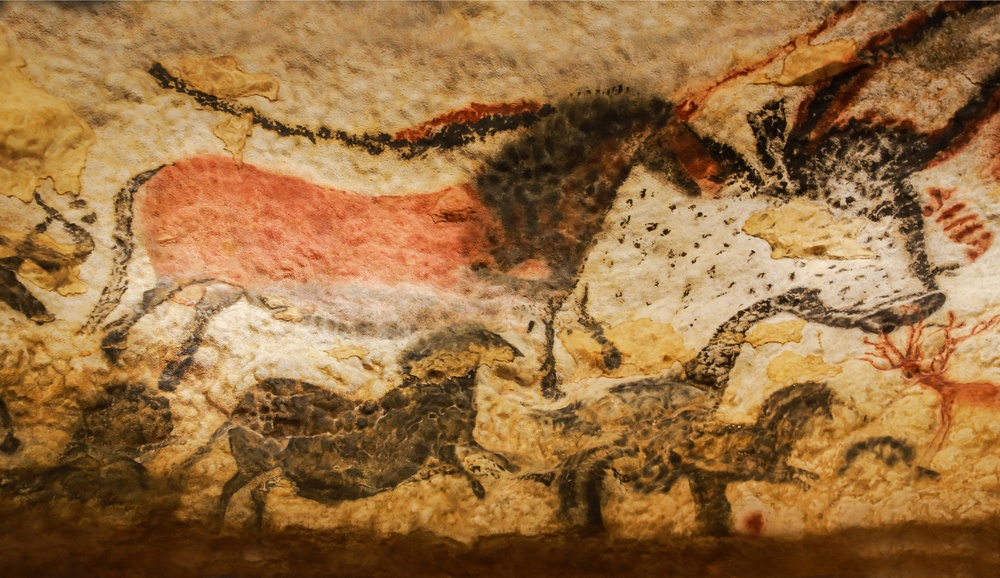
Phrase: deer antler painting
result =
(498, 275)
(924, 365)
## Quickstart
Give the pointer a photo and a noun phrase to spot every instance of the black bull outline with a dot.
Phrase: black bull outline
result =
(551, 187)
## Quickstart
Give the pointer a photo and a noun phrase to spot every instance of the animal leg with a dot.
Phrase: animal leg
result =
(449, 455)
(580, 483)
(498, 459)
(13, 293)
(200, 453)
(114, 341)
(550, 380)
(230, 488)
(9, 444)
(609, 353)
(259, 496)
(942, 432)
(208, 307)
(713, 511)
(254, 455)
(593, 485)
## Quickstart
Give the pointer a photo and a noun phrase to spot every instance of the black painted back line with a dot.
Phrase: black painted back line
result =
(449, 136)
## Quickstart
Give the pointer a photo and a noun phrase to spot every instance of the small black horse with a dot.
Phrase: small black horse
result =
(676, 435)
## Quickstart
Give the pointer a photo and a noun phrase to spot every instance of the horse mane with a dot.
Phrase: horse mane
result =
(551, 187)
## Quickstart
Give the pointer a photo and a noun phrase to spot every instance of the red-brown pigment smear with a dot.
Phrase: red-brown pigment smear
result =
(833, 117)
(754, 523)
(470, 114)
(250, 227)
(689, 105)
(707, 172)
(961, 141)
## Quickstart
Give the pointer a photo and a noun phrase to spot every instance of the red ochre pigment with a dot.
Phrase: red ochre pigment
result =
(206, 217)
(755, 523)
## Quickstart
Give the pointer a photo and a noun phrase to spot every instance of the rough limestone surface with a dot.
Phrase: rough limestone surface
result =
(527, 289)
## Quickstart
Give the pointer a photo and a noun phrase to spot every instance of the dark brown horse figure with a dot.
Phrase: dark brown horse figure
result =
(337, 449)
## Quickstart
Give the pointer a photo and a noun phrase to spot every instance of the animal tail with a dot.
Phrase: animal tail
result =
(124, 245)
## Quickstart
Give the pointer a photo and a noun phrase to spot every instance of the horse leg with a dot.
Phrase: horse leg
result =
(713, 511)
(259, 496)
(10, 443)
(592, 494)
(210, 305)
(449, 455)
(253, 456)
(498, 459)
(114, 340)
(550, 380)
(582, 480)
(609, 353)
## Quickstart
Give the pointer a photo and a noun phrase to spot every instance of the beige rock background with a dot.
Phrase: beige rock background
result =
(107, 464)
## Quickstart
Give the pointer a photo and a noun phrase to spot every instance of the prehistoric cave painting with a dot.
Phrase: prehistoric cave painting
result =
(959, 222)
(103, 461)
(670, 432)
(923, 360)
(336, 449)
(41, 138)
(38, 258)
(537, 206)
(730, 243)
(889, 450)
(449, 130)
(652, 432)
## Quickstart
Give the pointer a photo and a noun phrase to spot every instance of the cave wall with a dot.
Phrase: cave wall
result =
(320, 288)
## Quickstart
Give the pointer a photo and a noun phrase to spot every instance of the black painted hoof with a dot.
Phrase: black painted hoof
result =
(612, 357)
(550, 388)
(478, 489)
(168, 381)
(923, 472)
(112, 345)
(10, 444)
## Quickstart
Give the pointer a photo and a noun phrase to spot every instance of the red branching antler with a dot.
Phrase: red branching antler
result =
(915, 366)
